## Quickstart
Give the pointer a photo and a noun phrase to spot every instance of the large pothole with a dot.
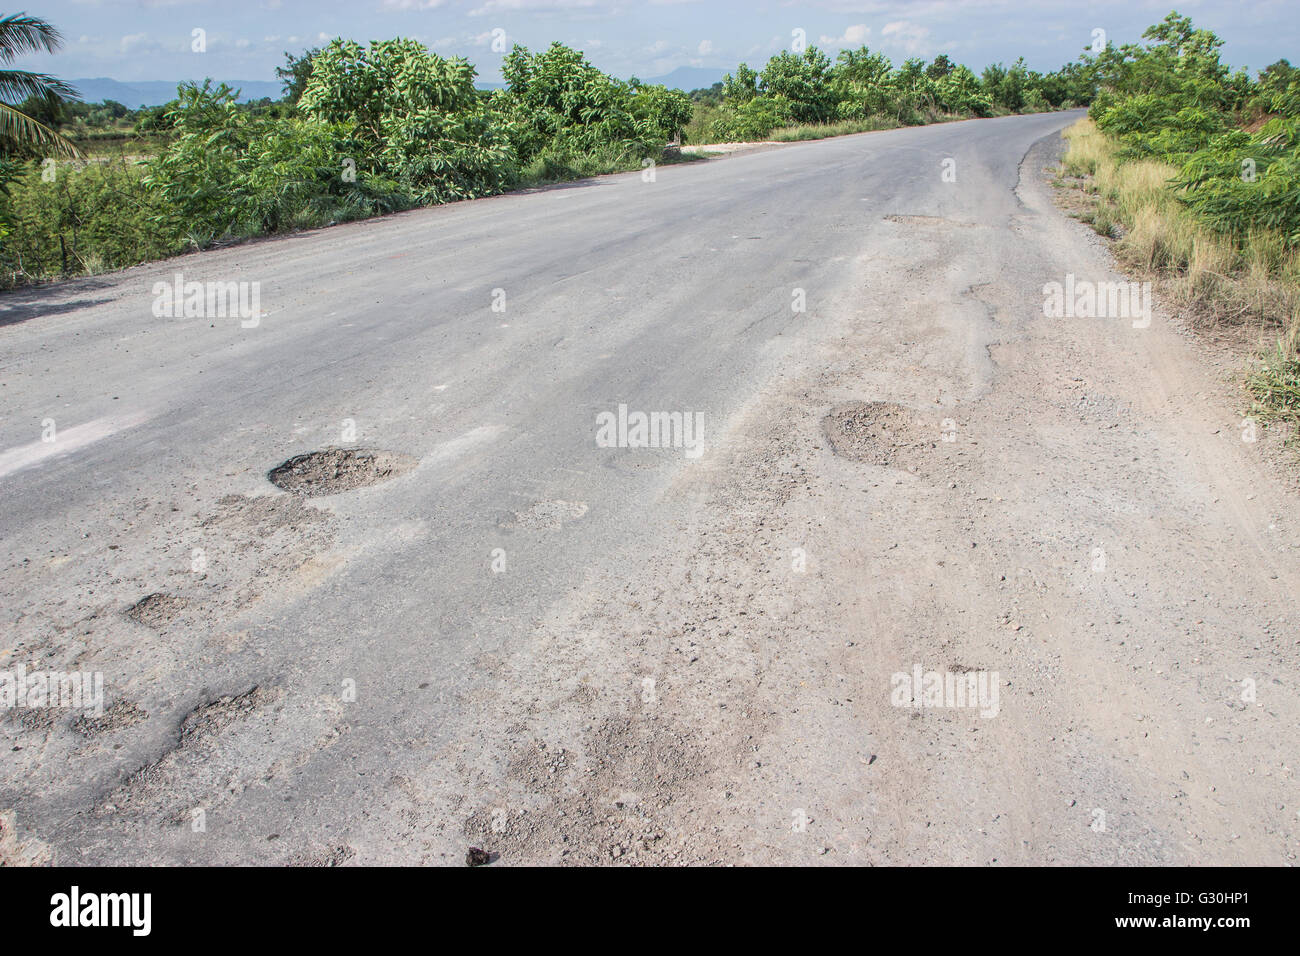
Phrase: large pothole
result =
(156, 610)
(882, 433)
(333, 470)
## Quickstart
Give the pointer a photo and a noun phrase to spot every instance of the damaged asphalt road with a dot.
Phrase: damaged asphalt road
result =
(471, 622)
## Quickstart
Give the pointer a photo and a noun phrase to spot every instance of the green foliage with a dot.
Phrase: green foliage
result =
(1171, 97)
(1175, 101)
(959, 91)
(1275, 386)
(665, 111)
(229, 172)
(1240, 182)
(91, 217)
(710, 96)
(806, 89)
(557, 101)
(740, 87)
(368, 129)
(21, 133)
(753, 120)
(862, 83)
(802, 82)
(295, 73)
(1006, 87)
(416, 116)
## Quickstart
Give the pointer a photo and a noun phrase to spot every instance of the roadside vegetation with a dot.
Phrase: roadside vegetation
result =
(364, 130)
(1195, 172)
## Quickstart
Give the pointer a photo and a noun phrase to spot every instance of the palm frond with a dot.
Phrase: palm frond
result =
(21, 34)
(21, 128)
(17, 85)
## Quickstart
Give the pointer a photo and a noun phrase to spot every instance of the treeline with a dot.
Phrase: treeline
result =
(806, 88)
(1234, 139)
(1200, 166)
(365, 130)
(373, 129)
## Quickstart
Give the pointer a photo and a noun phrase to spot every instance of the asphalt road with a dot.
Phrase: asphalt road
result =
(388, 674)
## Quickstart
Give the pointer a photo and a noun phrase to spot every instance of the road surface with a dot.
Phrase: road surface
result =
(567, 649)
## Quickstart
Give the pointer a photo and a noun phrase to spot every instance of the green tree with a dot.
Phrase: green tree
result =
(740, 87)
(416, 116)
(941, 67)
(21, 34)
(862, 83)
(295, 73)
(667, 111)
(803, 80)
(558, 101)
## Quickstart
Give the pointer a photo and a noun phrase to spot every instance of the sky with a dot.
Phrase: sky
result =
(132, 40)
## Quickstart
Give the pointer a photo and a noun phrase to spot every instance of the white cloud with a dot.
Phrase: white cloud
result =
(411, 4)
(911, 37)
(854, 35)
(530, 6)
(706, 47)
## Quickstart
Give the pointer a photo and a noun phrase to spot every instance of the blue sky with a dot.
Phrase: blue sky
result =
(152, 39)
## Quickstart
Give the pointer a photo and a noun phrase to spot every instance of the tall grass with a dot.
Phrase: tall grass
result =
(1252, 281)
(89, 217)
(809, 131)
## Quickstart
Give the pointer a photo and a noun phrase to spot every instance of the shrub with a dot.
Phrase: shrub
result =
(92, 217)
(227, 172)
(416, 117)
(557, 101)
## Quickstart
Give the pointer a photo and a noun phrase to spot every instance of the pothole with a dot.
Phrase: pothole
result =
(118, 716)
(333, 470)
(156, 610)
(881, 433)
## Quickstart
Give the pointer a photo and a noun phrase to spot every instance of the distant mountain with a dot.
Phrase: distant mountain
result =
(156, 92)
(687, 78)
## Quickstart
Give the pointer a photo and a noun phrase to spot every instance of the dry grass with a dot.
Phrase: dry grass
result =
(1255, 285)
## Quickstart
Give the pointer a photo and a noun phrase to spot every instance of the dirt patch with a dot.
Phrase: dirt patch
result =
(325, 857)
(608, 805)
(159, 789)
(930, 221)
(156, 610)
(882, 433)
(547, 515)
(334, 470)
(35, 719)
(18, 852)
(119, 716)
(208, 719)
